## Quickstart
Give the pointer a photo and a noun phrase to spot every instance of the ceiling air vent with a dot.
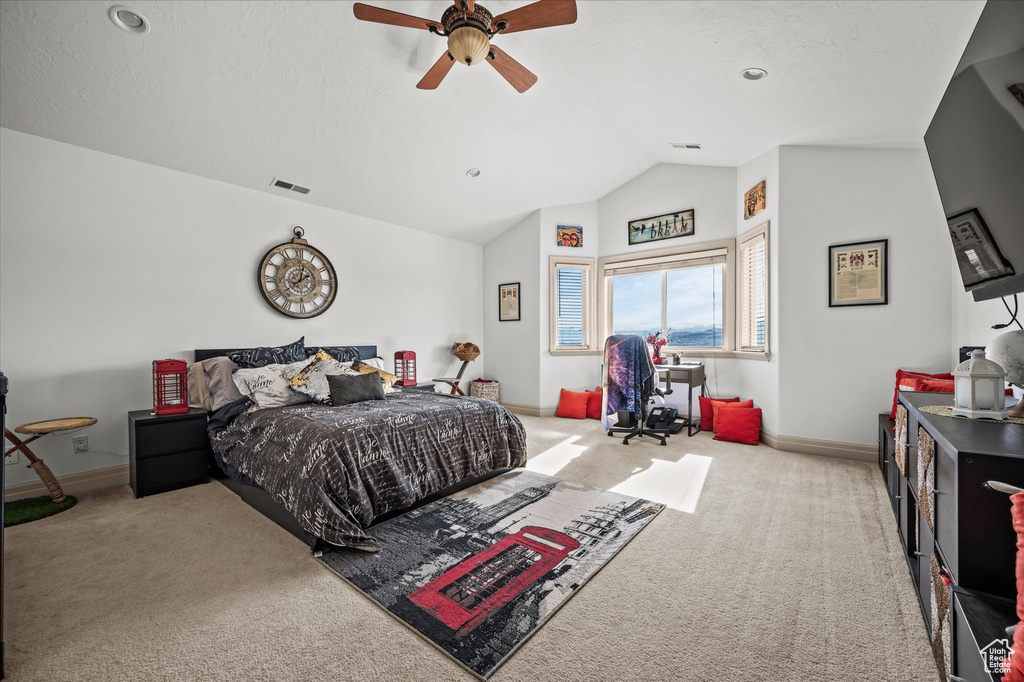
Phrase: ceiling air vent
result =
(686, 145)
(290, 186)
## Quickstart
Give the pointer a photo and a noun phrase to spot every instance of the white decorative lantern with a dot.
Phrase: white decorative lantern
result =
(979, 391)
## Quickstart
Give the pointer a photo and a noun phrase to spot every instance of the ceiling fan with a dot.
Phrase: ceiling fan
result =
(469, 28)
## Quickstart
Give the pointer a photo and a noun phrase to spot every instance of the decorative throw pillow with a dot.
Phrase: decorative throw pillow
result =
(198, 390)
(219, 372)
(572, 405)
(347, 389)
(707, 414)
(901, 375)
(339, 353)
(267, 387)
(739, 425)
(270, 355)
(311, 380)
(716, 409)
(1014, 666)
(388, 378)
(594, 399)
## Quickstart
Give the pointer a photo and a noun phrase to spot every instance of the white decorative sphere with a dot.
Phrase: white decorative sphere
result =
(1008, 350)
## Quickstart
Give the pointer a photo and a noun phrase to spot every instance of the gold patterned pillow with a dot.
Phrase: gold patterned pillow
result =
(388, 378)
(311, 380)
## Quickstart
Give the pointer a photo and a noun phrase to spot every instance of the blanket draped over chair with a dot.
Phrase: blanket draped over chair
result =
(628, 366)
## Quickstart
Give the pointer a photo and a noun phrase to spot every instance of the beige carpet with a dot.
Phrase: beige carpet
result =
(789, 569)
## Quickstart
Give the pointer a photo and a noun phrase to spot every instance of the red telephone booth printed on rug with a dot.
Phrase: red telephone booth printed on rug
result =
(468, 593)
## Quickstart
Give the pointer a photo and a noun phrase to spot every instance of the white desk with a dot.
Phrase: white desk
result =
(690, 374)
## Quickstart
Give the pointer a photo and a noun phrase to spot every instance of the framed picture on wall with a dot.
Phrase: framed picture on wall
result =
(858, 273)
(570, 235)
(656, 228)
(753, 200)
(508, 302)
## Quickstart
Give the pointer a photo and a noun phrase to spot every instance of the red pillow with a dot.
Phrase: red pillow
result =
(933, 385)
(1015, 669)
(594, 403)
(900, 374)
(707, 411)
(718, 407)
(739, 425)
(572, 405)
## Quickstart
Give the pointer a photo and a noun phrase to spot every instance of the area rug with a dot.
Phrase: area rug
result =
(477, 573)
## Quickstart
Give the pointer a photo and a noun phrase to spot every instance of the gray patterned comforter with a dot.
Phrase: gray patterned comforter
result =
(336, 469)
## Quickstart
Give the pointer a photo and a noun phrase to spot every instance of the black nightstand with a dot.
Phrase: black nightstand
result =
(167, 451)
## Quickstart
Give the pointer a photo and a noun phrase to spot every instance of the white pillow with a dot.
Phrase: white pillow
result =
(266, 386)
(373, 362)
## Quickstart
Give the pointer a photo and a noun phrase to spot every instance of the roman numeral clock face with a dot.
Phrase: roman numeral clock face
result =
(296, 279)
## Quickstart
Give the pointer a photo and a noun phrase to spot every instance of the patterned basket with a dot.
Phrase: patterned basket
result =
(484, 389)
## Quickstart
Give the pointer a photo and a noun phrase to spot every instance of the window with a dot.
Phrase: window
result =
(682, 295)
(571, 304)
(752, 290)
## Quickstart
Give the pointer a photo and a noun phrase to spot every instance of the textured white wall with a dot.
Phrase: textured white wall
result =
(511, 347)
(575, 372)
(837, 364)
(107, 264)
(759, 379)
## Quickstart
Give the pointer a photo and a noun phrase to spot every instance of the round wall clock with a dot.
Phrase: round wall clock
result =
(296, 279)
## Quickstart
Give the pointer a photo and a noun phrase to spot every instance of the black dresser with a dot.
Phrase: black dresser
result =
(167, 451)
(971, 538)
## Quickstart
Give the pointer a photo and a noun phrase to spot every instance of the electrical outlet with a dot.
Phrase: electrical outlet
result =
(12, 458)
(80, 443)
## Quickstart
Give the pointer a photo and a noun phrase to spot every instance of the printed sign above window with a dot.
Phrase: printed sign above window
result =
(753, 201)
(569, 235)
(667, 226)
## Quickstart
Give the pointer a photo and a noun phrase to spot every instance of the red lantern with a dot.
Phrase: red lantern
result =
(170, 386)
(405, 368)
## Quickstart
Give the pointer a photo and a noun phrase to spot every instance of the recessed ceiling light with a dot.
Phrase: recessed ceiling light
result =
(754, 74)
(127, 19)
(685, 145)
(473, 173)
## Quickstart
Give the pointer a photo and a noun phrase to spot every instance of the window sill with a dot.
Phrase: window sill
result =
(736, 354)
(573, 351)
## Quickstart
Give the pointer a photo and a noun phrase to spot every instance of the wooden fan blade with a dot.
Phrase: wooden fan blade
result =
(540, 14)
(386, 16)
(437, 72)
(515, 73)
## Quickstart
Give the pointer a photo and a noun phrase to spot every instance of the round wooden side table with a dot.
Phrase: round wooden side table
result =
(38, 430)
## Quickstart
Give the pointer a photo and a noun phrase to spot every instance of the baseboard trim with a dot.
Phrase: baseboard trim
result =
(828, 448)
(529, 410)
(73, 484)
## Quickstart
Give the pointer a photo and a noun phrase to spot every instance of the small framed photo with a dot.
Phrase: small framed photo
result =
(858, 273)
(570, 235)
(508, 302)
(753, 200)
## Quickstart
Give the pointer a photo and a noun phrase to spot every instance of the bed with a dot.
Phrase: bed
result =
(327, 474)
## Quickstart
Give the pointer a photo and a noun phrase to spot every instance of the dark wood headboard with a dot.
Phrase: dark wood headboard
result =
(207, 353)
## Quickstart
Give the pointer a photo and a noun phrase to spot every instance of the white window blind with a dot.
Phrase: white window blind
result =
(572, 306)
(753, 292)
(683, 260)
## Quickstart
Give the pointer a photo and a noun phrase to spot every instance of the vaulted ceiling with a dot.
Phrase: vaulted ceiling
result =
(246, 91)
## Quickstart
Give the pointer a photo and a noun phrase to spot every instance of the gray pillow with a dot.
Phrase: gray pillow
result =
(218, 379)
(346, 390)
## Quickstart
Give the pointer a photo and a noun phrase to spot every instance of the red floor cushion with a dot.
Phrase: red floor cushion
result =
(901, 375)
(594, 399)
(721, 406)
(739, 425)
(572, 404)
(707, 411)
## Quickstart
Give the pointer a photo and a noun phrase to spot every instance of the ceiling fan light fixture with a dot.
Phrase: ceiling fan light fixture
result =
(468, 45)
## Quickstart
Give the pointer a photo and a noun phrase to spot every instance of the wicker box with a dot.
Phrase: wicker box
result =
(484, 389)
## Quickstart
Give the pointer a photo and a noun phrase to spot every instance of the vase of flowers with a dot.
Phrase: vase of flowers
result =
(656, 342)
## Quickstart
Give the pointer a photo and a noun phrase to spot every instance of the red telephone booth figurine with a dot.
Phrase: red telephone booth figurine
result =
(170, 386)
(405, 368)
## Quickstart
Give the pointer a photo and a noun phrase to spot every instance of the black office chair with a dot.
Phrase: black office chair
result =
(625, 349)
